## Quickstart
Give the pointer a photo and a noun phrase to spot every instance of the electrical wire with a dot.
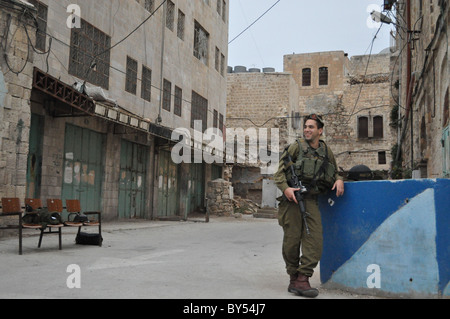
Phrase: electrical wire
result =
(365, 73)
(254, 22)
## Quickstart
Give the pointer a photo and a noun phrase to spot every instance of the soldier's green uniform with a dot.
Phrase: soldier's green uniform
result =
(307, 166)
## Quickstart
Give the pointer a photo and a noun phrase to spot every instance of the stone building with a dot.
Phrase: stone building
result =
(354, 97)
(104, 85)
(260, 102)
(422, 77)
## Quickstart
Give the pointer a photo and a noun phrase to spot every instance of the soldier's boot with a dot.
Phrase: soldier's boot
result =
(301, 286)
(292, 280)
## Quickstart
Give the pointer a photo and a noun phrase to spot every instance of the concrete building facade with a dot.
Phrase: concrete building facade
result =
(105, 85)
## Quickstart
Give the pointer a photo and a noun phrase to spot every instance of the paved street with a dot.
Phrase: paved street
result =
(226, 258)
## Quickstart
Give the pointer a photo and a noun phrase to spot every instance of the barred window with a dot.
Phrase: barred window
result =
(146, 84)
(199, 110)
(167, 95)
(170, 17)
(181, 24)
(41, 36)
(90, 54)
(201, 43)
(178, 101)
(323, 76)
(222, 64)
(131, 76)
(306, 77)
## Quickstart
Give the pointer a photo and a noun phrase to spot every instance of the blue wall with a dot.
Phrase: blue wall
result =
(401, 226)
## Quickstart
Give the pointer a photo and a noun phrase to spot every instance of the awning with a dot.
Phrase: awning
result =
(77, 103)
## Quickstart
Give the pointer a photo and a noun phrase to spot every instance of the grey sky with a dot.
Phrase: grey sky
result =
(301, 26)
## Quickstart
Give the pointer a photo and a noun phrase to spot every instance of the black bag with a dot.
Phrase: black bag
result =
(89, 239)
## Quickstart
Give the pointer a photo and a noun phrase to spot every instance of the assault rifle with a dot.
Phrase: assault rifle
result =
(296, 183)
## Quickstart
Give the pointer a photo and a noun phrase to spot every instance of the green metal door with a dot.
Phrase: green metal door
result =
(83, 166)
(133, 162)
(197, 193)
(34, 167)
(167, 186)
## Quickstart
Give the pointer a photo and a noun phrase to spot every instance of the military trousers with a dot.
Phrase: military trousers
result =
(301, 252)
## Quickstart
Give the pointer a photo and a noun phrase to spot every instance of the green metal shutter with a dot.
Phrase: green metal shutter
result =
(83, 166)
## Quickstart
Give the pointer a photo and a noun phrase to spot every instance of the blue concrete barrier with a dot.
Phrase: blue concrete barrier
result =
(388, 238)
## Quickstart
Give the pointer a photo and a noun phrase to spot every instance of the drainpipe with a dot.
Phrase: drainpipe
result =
(159, 119)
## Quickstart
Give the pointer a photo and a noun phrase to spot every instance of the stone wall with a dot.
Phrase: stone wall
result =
(16, 78)
(359, 86)
(219, 198)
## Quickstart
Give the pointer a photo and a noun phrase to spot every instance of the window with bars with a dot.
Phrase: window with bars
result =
(201, 43)
(167, 95)
(323, 76)
(181, 24)
(199, 110)
(146, 83)
(131, 76)
(90, 54)
(41, 19)
(222, 64)
(306, 77)
(177, 104)
(170, 16)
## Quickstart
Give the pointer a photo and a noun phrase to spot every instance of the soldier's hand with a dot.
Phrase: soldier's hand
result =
(289, 193)
(339, 186)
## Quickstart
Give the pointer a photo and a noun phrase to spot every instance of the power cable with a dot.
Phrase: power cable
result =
(255, 21)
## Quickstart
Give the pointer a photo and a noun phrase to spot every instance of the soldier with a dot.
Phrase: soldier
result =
(315, 166)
